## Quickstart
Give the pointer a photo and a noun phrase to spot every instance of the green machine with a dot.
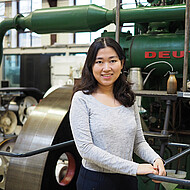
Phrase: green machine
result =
(157, 48)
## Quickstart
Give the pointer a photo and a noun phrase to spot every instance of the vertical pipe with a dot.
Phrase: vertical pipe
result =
(173, 115)
(117, 20)
(167, 116)
(6, 25)
(186, 47)
(164, 132)
(17, 34)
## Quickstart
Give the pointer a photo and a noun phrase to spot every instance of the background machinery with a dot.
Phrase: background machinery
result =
(156, 49)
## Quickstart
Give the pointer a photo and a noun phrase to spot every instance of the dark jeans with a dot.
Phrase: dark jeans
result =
(91, 180)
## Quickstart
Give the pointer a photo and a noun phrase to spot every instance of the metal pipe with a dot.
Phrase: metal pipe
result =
(179, 155)
(86, 18)
(42, 150)
(169, 179)
(67, 143)
(166, 121)
(117, 20)
(186, 47)
(149, 14)
(165, 128)
(92, 17)
(6, 25)
(179, 145)
(71, 142)
(162, 149)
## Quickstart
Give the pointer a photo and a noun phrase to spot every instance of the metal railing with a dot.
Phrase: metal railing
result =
(39, 151)
(151, 176)
(175, 157)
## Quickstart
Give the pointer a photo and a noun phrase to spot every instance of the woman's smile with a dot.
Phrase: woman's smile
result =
(106, 76)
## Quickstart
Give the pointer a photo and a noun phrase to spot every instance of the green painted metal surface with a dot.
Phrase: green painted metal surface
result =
(6, 25)
(92, 17)
(153, 14)
(157, 51)
(153, 51)
(65, 19)
(85, 18)
(149, 14)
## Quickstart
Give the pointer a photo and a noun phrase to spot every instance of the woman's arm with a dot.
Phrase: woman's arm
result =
(144, 151)
(141, 147)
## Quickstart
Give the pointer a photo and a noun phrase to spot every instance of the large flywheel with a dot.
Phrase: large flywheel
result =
(47, 125)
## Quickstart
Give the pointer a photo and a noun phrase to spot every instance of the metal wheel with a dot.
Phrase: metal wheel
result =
(8, 122)
(27, 105)
(47, 125)
(5, 145)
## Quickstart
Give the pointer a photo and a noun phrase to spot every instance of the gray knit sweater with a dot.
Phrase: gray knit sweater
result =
(106, 137)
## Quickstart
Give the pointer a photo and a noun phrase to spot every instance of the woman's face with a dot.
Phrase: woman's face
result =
(107, 67)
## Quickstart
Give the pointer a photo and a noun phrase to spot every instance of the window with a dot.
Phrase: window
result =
(87, 2)
(2, 11)
(11, 70)
(28, 38)
(129, 4)
(88, 37)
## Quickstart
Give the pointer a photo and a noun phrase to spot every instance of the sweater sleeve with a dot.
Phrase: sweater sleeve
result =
(141, 147)
(79, 120)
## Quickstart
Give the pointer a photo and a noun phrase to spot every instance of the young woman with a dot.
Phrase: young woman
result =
(106, 125)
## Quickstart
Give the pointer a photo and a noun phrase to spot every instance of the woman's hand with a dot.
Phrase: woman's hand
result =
(157, 169)
(159, 166)
(144, 169)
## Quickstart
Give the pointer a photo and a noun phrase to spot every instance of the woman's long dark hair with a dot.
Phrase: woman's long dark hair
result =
(88, 84)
